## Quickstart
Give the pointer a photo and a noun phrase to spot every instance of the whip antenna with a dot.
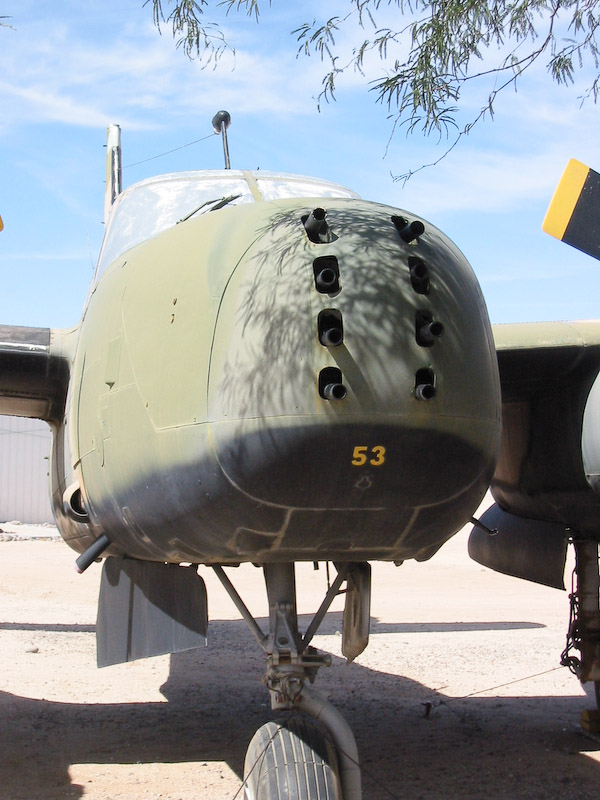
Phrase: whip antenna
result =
(221, 121)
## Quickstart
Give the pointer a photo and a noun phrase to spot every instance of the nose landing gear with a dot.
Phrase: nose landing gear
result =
(311, 754)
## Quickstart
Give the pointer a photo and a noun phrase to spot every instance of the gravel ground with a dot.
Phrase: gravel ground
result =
(459, 694)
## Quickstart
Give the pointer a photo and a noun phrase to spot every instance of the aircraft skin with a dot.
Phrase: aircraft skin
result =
(195, 430)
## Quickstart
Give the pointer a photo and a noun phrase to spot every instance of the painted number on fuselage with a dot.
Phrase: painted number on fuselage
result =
(375, 456)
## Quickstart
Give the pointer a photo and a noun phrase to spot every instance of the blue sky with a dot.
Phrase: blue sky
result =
(67, 70)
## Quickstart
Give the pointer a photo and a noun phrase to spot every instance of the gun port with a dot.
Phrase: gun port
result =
(425, 384)
(427, 330)
(330, 326)
(316, 227)
(419, 275)
(330, 384)
(327, 275)
(408, 231)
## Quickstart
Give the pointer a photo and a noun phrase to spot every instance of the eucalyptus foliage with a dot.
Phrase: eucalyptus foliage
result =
(444, 44)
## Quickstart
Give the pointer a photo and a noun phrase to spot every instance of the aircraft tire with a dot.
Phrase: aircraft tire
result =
(292, 760)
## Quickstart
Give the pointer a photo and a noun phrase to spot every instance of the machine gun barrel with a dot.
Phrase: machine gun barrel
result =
(334, 391)
(316, 226)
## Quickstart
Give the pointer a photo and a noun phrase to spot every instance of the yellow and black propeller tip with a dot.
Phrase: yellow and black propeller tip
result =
(573, 215)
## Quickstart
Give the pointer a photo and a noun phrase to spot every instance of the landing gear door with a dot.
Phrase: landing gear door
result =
(357, 611)
(149, 609)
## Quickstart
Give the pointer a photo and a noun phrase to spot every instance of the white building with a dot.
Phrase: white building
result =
(24, 467)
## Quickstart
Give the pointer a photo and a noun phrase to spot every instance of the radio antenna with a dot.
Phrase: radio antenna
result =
(114, 180)
(221, 121)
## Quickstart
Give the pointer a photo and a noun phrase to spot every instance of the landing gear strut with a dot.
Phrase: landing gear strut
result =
(584, 625)
(309, 757)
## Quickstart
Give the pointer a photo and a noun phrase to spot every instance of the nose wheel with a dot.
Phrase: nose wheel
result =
(311, 753)
(292, 759)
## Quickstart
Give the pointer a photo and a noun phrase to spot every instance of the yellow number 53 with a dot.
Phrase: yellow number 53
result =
(364, 454)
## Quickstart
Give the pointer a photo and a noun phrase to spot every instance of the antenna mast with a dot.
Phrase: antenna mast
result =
(114, 183)
(221, 121)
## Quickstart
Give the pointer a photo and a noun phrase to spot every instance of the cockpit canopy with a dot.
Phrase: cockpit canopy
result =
(146, 208)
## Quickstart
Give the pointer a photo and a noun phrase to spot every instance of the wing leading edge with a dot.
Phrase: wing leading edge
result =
(34, 372)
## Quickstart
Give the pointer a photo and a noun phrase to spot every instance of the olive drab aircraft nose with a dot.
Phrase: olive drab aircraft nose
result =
(244, 411)
(268, 369)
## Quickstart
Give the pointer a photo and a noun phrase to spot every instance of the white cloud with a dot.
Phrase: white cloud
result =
(45, 105)
(63, 78)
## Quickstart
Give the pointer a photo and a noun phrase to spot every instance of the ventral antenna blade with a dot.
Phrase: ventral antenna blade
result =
(221, 121)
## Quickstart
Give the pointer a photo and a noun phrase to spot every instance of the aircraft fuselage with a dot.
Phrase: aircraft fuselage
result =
(225, 405)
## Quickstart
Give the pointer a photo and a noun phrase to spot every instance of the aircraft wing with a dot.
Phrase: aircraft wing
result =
(34, 372)
(542, 486)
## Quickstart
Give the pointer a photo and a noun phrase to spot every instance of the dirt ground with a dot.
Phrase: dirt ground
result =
(459, 694)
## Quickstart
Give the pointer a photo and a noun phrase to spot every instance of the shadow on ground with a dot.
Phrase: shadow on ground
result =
(490, 748)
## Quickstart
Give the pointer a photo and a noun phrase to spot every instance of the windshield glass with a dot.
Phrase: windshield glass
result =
(274, 186)
(151, 206)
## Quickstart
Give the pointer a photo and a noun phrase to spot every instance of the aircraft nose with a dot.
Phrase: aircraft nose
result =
(346, 330)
